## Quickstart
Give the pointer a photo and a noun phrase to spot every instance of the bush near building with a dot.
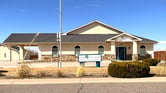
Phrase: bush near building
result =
(151, 62)
(128, 69)
(23, 71)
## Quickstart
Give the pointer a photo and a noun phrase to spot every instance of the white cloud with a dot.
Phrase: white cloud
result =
(162, 42)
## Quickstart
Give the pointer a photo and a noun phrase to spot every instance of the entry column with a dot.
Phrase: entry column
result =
(21, 53)
(135, 51)
(113, 50)
(39, 54)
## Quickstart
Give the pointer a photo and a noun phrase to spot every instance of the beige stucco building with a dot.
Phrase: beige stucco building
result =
(92, 38)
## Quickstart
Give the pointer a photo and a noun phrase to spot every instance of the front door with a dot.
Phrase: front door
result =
(120, 53)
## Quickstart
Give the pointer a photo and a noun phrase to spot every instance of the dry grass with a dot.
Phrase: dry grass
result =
(60, 72)
(89, 71)
(158, 70)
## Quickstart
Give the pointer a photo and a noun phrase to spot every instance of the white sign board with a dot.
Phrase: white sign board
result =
(89, 58)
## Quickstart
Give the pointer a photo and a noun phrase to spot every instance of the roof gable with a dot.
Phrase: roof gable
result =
(95, 27)
(124, 37)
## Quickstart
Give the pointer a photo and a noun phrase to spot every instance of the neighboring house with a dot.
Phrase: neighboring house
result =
(7, 51)
(92, 38)
(2, 52)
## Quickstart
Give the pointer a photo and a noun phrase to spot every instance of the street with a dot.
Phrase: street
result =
(87, 88)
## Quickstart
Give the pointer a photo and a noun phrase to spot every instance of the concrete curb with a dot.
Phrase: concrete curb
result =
(79, 80)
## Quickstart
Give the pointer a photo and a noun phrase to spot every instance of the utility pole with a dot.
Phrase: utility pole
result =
(60, 34)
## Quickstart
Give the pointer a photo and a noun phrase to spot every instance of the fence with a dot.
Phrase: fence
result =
(160, 55)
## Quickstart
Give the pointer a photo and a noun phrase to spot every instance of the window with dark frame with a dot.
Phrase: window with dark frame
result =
(77, 50)
(54, 51)
(101, 50)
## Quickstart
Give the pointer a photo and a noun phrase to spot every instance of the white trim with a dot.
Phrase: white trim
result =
(79, 27)
(92, 23)
(124, 34)
(110, 26)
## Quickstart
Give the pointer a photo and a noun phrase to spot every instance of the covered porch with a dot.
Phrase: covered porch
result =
(20, 52)
(126, 47)
(124, 51)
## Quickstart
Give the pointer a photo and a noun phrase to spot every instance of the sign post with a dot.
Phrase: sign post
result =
(97, 64)
(82, 64)
(82, 58)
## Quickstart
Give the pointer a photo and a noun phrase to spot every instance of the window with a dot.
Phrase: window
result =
(101, 50)
(77, 50)
(142, 50)
(16, 48)
(54, 51)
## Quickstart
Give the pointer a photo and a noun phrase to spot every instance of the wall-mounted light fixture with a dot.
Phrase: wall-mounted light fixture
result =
(129, 47)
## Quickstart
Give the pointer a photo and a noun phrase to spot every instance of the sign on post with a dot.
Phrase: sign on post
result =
(89, 58)
(82, 58)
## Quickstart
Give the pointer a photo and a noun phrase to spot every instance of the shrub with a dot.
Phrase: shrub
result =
(23, 71)
(144, 57)
(151, 62)
(2, 72)
(80, 72)
(128, 69)
(60, 73)
(41, 74)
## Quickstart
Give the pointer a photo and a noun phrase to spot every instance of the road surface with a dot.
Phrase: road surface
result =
(87, 88)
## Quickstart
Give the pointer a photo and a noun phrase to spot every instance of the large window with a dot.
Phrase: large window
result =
(142, 50)
(54, 51)
(101, 50)
(77, 50)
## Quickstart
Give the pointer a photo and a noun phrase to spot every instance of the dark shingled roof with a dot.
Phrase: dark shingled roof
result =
(146, 40)
(52, 37)
(27, 37)
(21, 37)
(87, 37)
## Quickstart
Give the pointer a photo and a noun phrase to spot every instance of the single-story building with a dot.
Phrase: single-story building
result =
(92, 38)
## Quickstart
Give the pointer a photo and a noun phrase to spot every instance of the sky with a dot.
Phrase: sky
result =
(146, 18)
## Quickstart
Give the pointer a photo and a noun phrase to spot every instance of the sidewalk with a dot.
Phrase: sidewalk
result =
(80, 80)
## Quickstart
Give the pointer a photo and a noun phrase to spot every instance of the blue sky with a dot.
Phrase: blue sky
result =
(146, 18)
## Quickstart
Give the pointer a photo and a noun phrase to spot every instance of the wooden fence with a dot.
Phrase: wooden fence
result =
(160, 55)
